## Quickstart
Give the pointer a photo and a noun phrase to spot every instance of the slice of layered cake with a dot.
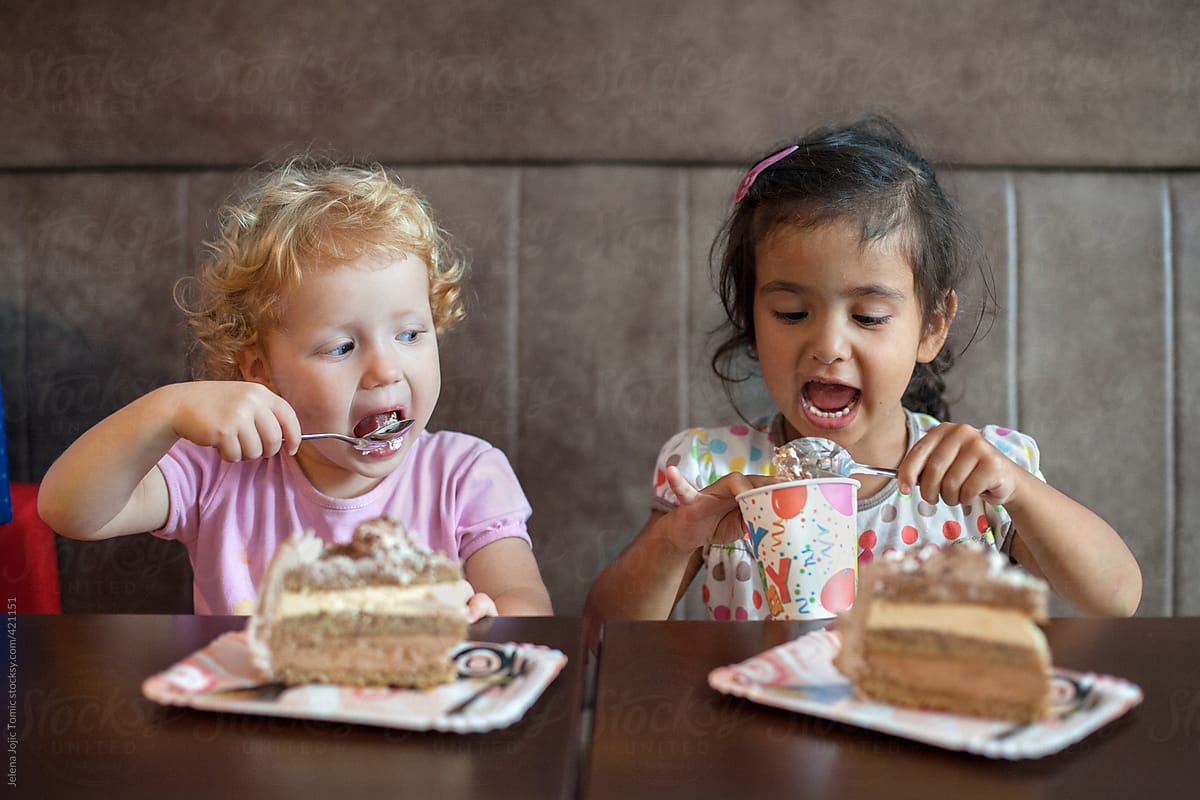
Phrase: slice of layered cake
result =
(953, 630)
(380, 610)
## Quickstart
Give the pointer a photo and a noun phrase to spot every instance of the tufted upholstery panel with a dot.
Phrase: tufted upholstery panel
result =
(585, 154)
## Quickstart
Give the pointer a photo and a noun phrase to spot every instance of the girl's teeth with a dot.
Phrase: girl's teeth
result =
(820, 412)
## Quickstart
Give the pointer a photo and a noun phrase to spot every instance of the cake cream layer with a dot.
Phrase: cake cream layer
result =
(974, 651)
(417, 600)
(962, 621)
(345, 626)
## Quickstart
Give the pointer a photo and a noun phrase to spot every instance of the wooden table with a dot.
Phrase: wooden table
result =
(659, 730)
(83, 728)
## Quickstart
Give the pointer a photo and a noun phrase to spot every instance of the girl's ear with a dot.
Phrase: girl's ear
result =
(938, 329)
(254, 366)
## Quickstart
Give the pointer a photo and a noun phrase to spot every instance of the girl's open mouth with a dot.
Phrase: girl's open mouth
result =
(829, 401)
(373, 422)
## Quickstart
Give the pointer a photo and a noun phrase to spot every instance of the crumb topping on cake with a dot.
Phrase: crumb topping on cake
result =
(381, 552)
(965, 572)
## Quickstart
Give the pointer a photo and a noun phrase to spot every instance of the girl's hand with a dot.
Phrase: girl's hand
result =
(711, 516)
(480, 605)
(243, 420)
(954, 462)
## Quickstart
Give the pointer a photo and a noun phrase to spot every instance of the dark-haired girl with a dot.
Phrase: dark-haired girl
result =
(839, 269)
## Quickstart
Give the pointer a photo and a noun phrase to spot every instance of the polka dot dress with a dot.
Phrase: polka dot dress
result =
(889, 520)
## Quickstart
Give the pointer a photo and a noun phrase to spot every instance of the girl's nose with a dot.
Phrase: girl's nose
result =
(383, 368)
(830, 344)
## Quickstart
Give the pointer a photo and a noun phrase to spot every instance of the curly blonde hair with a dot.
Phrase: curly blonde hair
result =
(307, 215)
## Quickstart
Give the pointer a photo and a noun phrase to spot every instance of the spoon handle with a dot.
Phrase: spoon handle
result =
(363, 445)
(375, 440)
(337, 436)
(861, 469)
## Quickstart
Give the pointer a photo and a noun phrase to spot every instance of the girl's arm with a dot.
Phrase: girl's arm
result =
(506, 571)
(648, 577)
(1083, 559)
(108, 484)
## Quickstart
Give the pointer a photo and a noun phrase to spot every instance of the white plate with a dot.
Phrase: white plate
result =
(800, 676)
(497, 683)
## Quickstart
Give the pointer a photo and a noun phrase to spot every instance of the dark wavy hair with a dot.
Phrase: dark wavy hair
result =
(865, 171)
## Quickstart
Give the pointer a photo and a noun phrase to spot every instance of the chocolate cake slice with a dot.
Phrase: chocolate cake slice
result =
(954, 629)
(380, 610)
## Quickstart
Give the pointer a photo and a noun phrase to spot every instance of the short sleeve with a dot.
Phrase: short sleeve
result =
(705, 455)
(689, 452)
(491, 503)
(1018, 447)
(184, 469)
(1023, 451)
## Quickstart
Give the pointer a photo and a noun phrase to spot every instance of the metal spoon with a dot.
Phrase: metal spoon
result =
(813, 456)
(377, 439)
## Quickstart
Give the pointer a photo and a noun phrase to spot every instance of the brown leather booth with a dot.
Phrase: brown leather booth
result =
(585, 153)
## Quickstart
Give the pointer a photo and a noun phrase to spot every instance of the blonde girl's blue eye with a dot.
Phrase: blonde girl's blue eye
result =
(341, 349)
(408, 336)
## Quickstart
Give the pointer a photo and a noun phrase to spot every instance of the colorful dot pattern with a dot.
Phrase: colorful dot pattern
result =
(733, 588)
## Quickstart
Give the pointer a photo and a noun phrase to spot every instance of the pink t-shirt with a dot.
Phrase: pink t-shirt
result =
(456, 491)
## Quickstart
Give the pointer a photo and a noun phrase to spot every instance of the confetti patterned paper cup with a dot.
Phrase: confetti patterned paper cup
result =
(804, 537)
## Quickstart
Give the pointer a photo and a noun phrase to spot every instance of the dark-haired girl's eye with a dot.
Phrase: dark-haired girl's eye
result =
(870, 321)
(791, 316)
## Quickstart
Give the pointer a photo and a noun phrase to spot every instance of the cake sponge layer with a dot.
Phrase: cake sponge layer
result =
(417, 661)
(887, 689)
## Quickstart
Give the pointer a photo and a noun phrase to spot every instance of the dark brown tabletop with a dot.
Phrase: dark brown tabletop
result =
(659, 730)
(83, 728)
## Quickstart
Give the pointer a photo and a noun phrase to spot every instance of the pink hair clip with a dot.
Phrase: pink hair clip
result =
(748, 181)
